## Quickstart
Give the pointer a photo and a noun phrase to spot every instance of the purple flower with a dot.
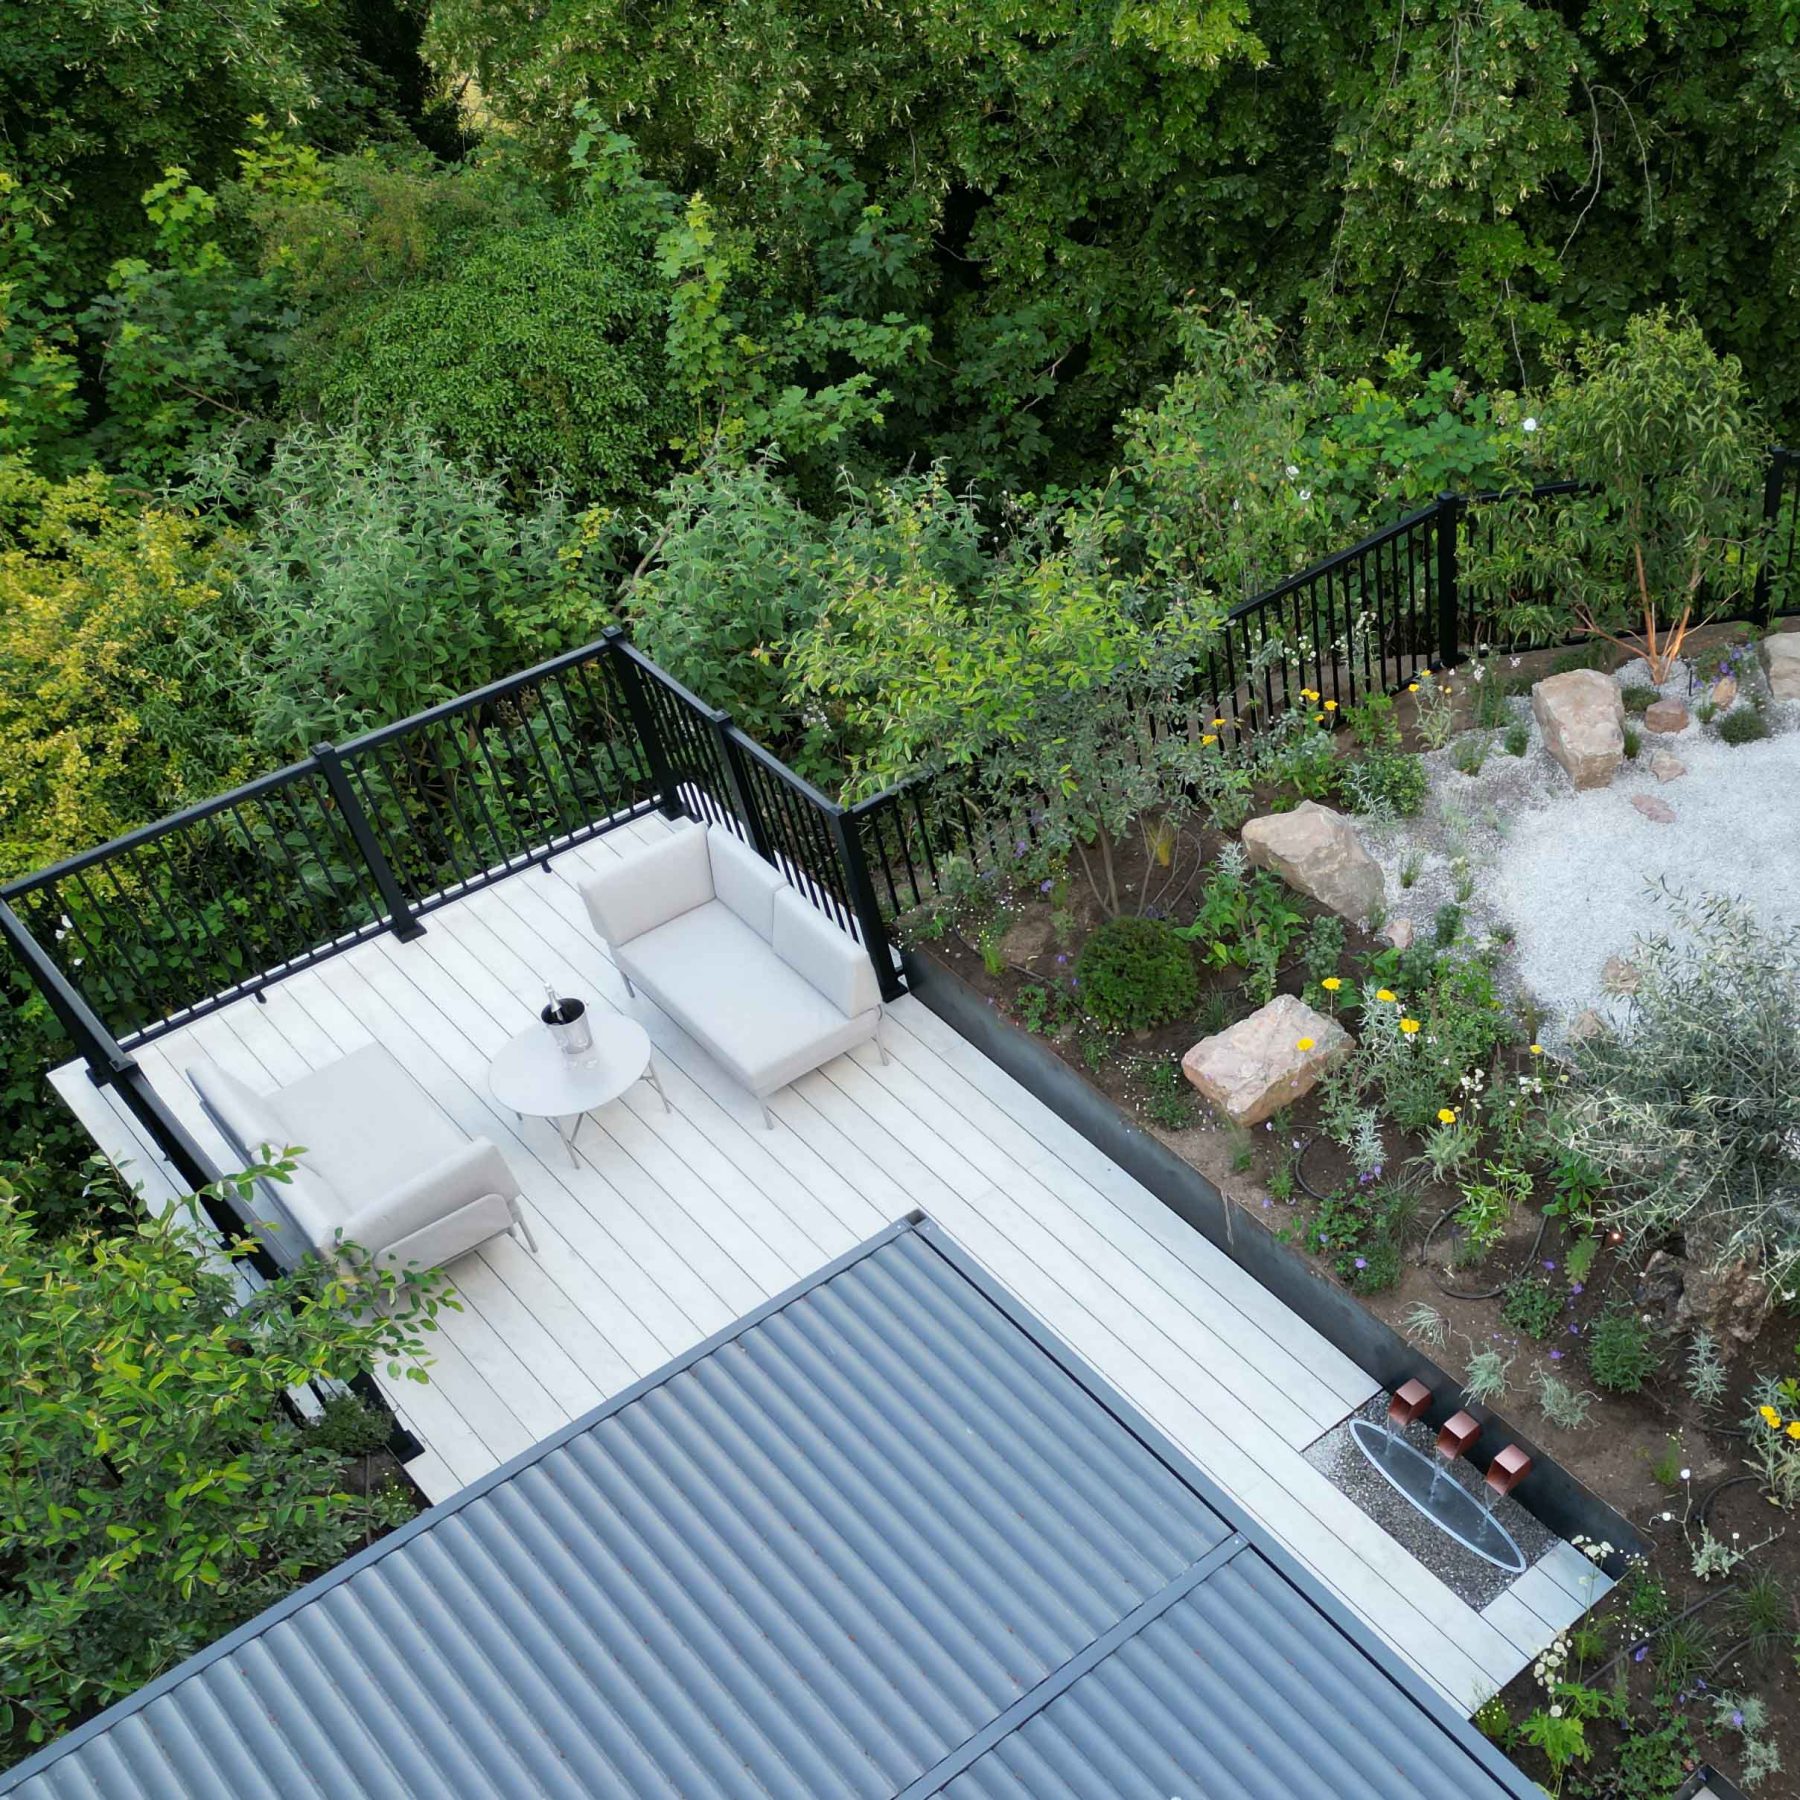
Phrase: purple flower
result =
(1062, 956)
(1576, 1287)
(1640, 1653)
(1362, 1262)
(1550, 1262)
(1574, 1331)
(1021, 847)
(1556, 1356)
(1737, 1719)
(1045, 886)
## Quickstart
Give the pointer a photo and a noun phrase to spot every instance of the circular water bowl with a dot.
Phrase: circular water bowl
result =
(1443, 1500)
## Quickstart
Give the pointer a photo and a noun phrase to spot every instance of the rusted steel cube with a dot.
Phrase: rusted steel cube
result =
(1458, 1433)
(1507, 1470)
(1411, 1400)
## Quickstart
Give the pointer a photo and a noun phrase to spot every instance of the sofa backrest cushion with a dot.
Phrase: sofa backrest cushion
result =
(745, 883)
(650, 886)
(827, 957)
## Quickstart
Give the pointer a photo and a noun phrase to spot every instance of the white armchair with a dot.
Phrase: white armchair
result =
(716, 937)
(380, 1165)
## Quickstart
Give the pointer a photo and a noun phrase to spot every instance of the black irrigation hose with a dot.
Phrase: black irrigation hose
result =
(1729, 1481)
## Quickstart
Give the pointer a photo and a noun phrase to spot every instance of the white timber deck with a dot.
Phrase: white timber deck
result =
(673, 1224)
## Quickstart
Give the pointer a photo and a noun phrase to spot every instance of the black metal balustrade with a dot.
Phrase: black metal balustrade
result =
(171, 922)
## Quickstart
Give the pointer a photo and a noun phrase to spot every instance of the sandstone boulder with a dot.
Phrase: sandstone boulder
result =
(1666, 767)
(1666, 715)
(1317, 853)
(1259, 1066)
(1782, 654)
(1583, 722)
(1588, 1024)
(1398, 932)
(1619, 976)
(1658, 812)
(1725, 692)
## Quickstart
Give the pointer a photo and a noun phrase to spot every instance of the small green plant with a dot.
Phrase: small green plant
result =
(1637, 700)
(1666, 1471)
(1470, 754)
(1743, 725)
(1622, 1354)
(1324, 948)
(1650, 1765)
(1045, 1008)
(1372, 724)
(1705, 711)
(1532, 1306)
(1762, 1610)
(1492, 1720)
(1462, 880)
(1410, 868)
(993, 958)
(1704, 1371)
(1484, 1381)
(1560, 1735)
(1563, 1405)
(349, 1426)
(1424, 1324)
(1578, 1259)
(1490, 698)
(1447, 926)
(1168, 1095)
(1518, 738)
(1436, 714)
(1133, 973)
(1383, 784)
(1245, 920)
(1634, 742)
(1487, 1207)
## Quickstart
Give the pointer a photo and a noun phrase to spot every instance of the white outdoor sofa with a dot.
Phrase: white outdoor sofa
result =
(716, 937)
(380, 1165)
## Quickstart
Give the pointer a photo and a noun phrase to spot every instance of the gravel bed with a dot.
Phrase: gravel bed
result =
(1572, 879)
(1471, 1578)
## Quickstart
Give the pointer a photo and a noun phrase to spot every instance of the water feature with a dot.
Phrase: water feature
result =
(1422, 1481)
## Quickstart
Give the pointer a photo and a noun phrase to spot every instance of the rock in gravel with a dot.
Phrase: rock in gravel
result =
(1588, 1024)
(1724, 694)
(1658, 812)
(1666, 767)
(1582, 718)
(1666, 715)
(1317, 853)
(1620, 976)
(1398, 932)
(1782, 653)
(1260, 1065)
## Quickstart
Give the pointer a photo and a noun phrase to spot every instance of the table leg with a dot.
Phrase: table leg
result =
(568, 1138)
(651, 1075)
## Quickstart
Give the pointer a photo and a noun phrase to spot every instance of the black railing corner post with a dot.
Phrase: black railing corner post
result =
(1773, 484)
(846, 832)
(1450, 510)
(631, 683)
(401, 921)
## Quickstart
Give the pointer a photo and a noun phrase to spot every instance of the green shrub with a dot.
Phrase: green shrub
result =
(1638, 700)
(1470, 754)
(1532, 1306)
(1518, 738)
(1634, 742)
(1383, 783)
(1372, 723)
(1622, 1354)
(1715, 1014)
(1133, 973)
(1743, 725)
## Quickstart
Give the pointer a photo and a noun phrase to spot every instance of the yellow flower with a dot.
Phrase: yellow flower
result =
(1446, 1115)
(1207, 737)
(1793, 1428)
(1412, 687)
(1331, 984)
(1303, 1043)
(1537, 1049)
(1409, 1026)
(1218, 721)
(1384, 994)
(1318, 718)
(1331, 706)
(1770, 1417)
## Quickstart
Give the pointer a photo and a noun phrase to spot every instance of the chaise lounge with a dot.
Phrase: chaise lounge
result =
(379, 1166)
(716, 937)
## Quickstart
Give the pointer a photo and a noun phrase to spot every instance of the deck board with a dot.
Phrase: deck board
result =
(670, 1225)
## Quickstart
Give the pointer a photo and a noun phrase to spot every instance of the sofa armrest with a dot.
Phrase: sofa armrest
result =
(474, 1171)
(652, 885)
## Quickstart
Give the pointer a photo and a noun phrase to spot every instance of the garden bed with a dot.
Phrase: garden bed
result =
(1582, 1349)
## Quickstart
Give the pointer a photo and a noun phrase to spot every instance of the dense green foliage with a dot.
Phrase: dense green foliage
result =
(1136, 972)
(156, 1492)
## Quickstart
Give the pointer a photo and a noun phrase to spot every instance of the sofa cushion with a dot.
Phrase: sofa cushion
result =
(764, 1021)
(649, 886)
(247, 1119)
(741, 879)
(366, 1125)
(829, 958)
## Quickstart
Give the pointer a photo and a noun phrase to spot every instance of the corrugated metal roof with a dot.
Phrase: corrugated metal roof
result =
(881, 1537)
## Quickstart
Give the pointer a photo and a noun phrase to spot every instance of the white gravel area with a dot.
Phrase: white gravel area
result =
(1575, 878)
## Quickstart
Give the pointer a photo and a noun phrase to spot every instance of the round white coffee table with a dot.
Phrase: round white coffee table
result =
(531, 1076)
